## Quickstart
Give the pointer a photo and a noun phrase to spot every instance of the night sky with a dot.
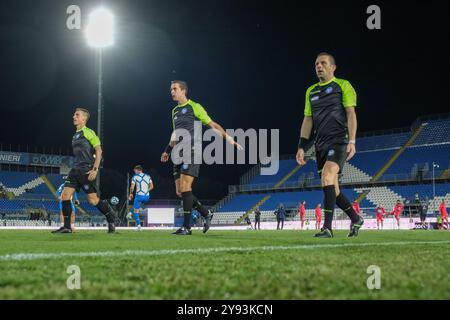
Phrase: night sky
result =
(247, 62)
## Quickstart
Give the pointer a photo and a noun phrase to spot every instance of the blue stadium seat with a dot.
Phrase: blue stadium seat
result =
(421, 155)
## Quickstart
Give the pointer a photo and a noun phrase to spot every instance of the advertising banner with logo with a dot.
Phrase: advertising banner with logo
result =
(14, 158)
(35, 159)
(48, 160)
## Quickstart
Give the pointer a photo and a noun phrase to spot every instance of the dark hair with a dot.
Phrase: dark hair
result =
(88, 115)
(330, 56)
(183, 85)
(138, 167)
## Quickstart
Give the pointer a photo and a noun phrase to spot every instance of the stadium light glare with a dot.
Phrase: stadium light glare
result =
(100, 28)
(99, 34)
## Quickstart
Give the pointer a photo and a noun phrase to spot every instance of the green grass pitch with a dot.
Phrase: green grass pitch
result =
(224, 265)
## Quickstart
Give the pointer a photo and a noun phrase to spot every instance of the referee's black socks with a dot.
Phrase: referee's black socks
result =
(328, 205)
(343, 203)
(104, 207)
(66, 210)
(188, 203)
(197, 205)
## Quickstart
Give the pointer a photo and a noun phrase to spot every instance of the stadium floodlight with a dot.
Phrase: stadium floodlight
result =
(100, 28)
(99, 34)
(435, 165)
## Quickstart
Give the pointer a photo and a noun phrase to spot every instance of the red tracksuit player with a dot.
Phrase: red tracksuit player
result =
(443, 212)
(356, 207)
(380, 216)
(302, 211)
(318, 216)
(398, 209)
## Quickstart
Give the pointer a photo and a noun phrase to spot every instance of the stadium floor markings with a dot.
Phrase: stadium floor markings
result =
(96, 254)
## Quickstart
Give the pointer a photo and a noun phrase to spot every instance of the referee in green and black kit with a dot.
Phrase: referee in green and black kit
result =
(87, 153)
(184, 117)
(330, 111)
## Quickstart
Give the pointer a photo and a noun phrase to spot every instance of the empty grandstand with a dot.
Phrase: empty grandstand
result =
(28, 183)
(388, 166)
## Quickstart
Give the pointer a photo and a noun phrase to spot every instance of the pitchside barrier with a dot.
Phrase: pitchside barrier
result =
(369, 224)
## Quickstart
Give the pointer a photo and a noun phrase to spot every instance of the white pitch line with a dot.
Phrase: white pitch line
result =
(37, 256)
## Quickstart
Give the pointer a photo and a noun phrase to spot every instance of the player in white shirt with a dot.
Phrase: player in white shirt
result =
(143, 184)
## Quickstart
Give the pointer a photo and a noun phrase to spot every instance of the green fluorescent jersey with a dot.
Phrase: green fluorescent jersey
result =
(83, 143)
(326, 103)
(185, 115)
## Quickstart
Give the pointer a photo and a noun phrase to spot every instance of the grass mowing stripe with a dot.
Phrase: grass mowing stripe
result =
(37, 256)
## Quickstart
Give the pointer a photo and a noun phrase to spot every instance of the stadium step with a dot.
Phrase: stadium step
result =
(389, 163)
(381, 196)
(222, 202)
(248, 212)
(397, 154)
(29, 185)
(308, 154)
(351, 173)
(435, 203)
(286, 177)
(49, 185)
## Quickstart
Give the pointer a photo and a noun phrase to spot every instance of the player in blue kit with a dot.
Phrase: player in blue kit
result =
(143, 184)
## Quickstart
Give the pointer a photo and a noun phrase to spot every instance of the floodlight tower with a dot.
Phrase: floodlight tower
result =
(99, 35)
(435, 165)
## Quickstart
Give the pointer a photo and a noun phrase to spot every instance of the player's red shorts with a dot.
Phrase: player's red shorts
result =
(303, 217)
(397, 215)
(318, 219)
(380, 217)
(445, 216)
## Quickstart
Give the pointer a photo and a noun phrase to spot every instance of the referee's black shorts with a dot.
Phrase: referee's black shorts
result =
(192, 170)
(336, 153)
(78, 179)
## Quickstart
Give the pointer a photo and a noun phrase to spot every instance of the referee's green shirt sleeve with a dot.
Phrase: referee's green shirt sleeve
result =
(348, 95)
(201, 113)
(308, 111)
(92, 137)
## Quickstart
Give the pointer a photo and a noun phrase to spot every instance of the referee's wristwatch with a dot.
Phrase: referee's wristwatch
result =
(95, 168)
(352, 142)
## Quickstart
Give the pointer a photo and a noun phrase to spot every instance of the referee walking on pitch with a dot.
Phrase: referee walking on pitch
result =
(87, 153)
(330, 111)
(184, 116)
